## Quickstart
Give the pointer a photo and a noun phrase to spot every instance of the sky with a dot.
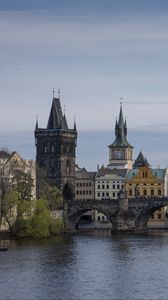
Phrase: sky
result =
(95, 52)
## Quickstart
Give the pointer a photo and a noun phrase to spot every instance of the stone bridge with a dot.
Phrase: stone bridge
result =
(124, 214)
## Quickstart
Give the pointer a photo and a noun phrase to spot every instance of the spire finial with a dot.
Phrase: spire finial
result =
(121, 101)
(58, 93)
(53, 93)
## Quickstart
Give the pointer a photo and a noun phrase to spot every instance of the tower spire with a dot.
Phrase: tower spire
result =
(58, 93)
(36, 121)
(74, 123)
(53, 93)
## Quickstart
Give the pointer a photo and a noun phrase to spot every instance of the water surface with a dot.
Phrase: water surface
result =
(95, 266)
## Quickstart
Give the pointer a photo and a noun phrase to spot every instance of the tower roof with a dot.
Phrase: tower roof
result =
(56, 119)
(121, 131)
(141, 161)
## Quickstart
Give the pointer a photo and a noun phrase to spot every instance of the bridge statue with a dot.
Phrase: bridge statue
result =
(125, 215)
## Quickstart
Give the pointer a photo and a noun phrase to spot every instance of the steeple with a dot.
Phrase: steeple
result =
(121, 131)
(120, 151)
(56, 119)
(141, 161)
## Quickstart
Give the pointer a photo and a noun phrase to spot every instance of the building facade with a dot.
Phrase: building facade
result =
(85, 188)
(143, 181)
(10, 164)
(108, 184)
(84, 184)
(56, 148)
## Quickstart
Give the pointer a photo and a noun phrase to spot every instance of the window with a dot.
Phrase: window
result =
(118, 186)
(113, 186)
(145, 174)
(152, 192)
(159, 216)
(98, 187)
(77, 192)
(107, 194)
(130, 192)
(144, 192)
(103, 194)
(159, 192)
(113, 195)
(98, 194)
(107, 186)
(90, 192)
(103, 186)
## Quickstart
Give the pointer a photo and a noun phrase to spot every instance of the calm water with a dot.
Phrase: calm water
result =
(85, 266)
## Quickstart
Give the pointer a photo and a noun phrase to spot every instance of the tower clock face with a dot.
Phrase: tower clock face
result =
(118, 154)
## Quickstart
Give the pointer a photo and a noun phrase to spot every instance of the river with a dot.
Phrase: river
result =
(86, 266)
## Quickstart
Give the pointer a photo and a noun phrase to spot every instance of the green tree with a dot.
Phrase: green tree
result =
(23, 183)
(36, 226)
(51, 193)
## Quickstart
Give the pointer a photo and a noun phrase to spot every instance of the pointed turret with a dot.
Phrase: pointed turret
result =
(125, 127)
(56, 119)
(141, 161)
(36, 127)
(120, 119)
(121, 131)
(75, 125)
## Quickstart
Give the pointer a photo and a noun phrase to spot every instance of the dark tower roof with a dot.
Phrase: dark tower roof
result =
(56, 119)
(141, 161)
(121, 132)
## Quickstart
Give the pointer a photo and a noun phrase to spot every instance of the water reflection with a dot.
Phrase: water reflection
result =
(86, 267)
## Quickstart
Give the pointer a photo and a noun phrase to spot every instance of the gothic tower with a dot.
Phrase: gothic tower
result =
(120, 151)
(55, 148)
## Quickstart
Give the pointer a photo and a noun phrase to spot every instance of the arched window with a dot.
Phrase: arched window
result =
(152, 192)
(130, 192)
(144, 192)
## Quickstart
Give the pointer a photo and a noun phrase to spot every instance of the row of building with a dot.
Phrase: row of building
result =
(56, 155)
(137, 179)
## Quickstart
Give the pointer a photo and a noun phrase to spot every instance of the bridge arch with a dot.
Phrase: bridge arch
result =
(75, 212)
(142, 218)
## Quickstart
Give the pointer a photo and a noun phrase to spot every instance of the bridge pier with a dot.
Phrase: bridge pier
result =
(69, 225)
(124, 219)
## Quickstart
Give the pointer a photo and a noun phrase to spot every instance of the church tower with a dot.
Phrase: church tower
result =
(55, 148)
(120, 151)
